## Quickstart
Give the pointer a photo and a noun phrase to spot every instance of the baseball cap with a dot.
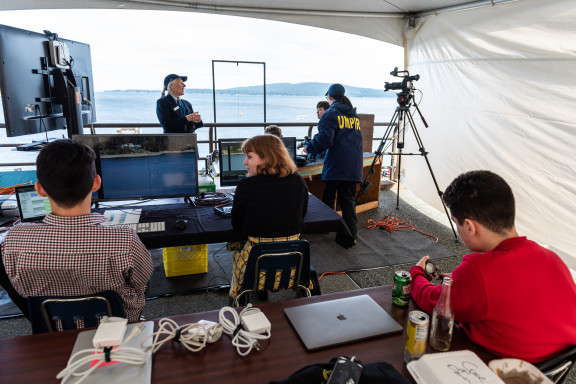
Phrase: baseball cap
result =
(171, 77)
(335, 90)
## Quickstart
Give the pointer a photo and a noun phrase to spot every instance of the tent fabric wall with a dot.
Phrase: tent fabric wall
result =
(498, 90)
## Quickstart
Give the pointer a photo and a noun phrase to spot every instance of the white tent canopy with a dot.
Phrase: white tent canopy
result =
(497, 84)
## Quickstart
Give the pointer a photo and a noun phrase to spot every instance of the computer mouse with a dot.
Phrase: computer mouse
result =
(181, 224)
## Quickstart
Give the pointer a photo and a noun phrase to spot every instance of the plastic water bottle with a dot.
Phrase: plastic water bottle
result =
(442, 319)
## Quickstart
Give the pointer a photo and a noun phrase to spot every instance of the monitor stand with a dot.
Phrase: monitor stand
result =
(34, 146)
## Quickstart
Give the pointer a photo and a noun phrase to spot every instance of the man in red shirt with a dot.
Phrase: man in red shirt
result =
(512, 296)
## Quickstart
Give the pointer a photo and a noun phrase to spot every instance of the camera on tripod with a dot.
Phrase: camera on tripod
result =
(406, 87)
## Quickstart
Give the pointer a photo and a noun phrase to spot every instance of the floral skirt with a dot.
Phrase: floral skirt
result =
(240, 258)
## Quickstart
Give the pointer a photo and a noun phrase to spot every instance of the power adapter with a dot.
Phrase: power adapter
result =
(110, 332)
(255, 322)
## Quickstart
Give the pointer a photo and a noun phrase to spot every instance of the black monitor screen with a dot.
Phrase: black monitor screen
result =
(35, 71)
(232, 168)
(144, 166)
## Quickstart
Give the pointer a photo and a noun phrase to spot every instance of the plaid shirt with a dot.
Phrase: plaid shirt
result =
(71, 256)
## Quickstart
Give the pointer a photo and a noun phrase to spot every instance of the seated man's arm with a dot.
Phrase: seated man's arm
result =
(142, 266)
(468, 296)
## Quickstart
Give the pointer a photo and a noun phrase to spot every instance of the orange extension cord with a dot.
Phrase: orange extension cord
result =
(10, 190)
(392, 223)
(389, 223)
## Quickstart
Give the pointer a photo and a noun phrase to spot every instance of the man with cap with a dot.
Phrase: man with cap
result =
(176, 114)
(340, 136)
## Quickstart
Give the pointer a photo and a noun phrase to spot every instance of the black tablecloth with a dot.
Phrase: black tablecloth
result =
(205, 226)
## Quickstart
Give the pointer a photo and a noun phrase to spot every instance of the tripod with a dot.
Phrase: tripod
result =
(397, 126)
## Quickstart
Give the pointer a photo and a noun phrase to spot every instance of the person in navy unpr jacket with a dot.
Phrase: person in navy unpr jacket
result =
(174, 113)
(340, 136)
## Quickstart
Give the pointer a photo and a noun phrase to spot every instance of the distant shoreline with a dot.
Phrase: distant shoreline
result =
(279, 89)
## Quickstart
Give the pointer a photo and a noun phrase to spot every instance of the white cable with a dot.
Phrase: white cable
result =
(192, 336)
(121, 354)
(241, 338)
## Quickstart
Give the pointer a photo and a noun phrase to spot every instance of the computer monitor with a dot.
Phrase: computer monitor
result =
(45, 82)
(134, 166)
(231, 159)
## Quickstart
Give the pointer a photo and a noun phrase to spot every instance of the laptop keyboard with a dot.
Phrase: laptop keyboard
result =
(156, 226)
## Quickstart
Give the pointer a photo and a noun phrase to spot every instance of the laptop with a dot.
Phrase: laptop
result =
(340, 321)
(31, 206)
(116, 373)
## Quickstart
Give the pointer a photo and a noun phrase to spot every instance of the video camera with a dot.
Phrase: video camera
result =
(405, 86)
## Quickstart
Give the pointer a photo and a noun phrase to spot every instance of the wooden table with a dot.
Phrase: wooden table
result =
(38, 358)
(312, 173)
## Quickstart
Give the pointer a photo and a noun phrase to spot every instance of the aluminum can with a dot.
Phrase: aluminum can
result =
(416, 335)
(401, 289)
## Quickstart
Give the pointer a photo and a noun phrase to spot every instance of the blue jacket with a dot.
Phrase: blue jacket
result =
(340, 136)
(174, 121)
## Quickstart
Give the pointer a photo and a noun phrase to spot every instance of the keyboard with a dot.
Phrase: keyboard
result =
(156, 226)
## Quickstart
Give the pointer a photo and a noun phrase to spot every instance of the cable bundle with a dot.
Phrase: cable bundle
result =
(192, 336)
(392, 223)
(212, 198)
(98, 357)
(241, 338)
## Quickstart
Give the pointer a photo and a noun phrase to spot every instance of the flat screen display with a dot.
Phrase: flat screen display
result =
(33, 96)
(231, 159)
(144, 166)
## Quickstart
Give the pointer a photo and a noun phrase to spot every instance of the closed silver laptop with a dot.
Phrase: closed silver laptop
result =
(340, 321)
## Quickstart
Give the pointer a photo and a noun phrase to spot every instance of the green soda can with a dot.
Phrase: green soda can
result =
(401, 290)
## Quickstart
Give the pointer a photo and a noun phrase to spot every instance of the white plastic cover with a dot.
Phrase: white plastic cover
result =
(499, 93)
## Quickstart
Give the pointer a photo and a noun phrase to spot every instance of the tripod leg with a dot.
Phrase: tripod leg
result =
(365, 186)
(425, 154)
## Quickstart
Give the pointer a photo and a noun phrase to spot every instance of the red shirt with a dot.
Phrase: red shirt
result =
(72, 256)
(518, 300)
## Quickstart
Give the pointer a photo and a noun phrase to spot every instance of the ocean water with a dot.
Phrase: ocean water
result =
(140, 107)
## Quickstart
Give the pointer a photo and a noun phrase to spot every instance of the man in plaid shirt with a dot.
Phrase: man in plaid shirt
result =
(71, 253)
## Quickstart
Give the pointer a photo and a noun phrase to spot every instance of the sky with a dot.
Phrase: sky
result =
(137, 49)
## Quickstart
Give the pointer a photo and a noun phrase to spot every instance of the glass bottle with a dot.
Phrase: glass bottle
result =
(442, 319)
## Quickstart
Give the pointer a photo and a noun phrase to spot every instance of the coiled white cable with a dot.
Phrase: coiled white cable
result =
(121, 354)
(241, 338)
(192, 336)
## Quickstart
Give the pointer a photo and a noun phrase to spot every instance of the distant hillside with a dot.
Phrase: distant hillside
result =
(288, 89)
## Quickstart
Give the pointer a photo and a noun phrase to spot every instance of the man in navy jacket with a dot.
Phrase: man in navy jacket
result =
(340, 136)
(176, 114)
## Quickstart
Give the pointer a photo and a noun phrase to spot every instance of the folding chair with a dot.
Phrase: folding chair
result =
(557, 368)
(279, 265)
(59, 313)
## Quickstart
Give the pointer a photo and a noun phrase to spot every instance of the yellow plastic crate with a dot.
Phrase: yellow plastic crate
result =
(186, 260)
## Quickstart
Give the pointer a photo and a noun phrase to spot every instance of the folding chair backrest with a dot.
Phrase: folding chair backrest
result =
(59, 313)
(285, 260)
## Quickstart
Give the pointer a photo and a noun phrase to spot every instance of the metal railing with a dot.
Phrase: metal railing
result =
(212, 133)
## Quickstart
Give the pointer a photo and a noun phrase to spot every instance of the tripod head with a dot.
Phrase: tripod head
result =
(406, 86)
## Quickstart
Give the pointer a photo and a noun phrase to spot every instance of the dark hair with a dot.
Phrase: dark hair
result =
(274, 130)
(482, 196)
(66, 171)
(323, 104)
(277, 160)
(345, 100)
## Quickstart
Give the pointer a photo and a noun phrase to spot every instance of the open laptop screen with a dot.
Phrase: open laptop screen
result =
(32, 207)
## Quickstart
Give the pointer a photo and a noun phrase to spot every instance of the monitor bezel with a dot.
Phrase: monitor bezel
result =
(100, 192)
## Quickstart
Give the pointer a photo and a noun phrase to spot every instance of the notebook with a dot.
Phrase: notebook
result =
(118, 372)
(31, 206)
(340, 321)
